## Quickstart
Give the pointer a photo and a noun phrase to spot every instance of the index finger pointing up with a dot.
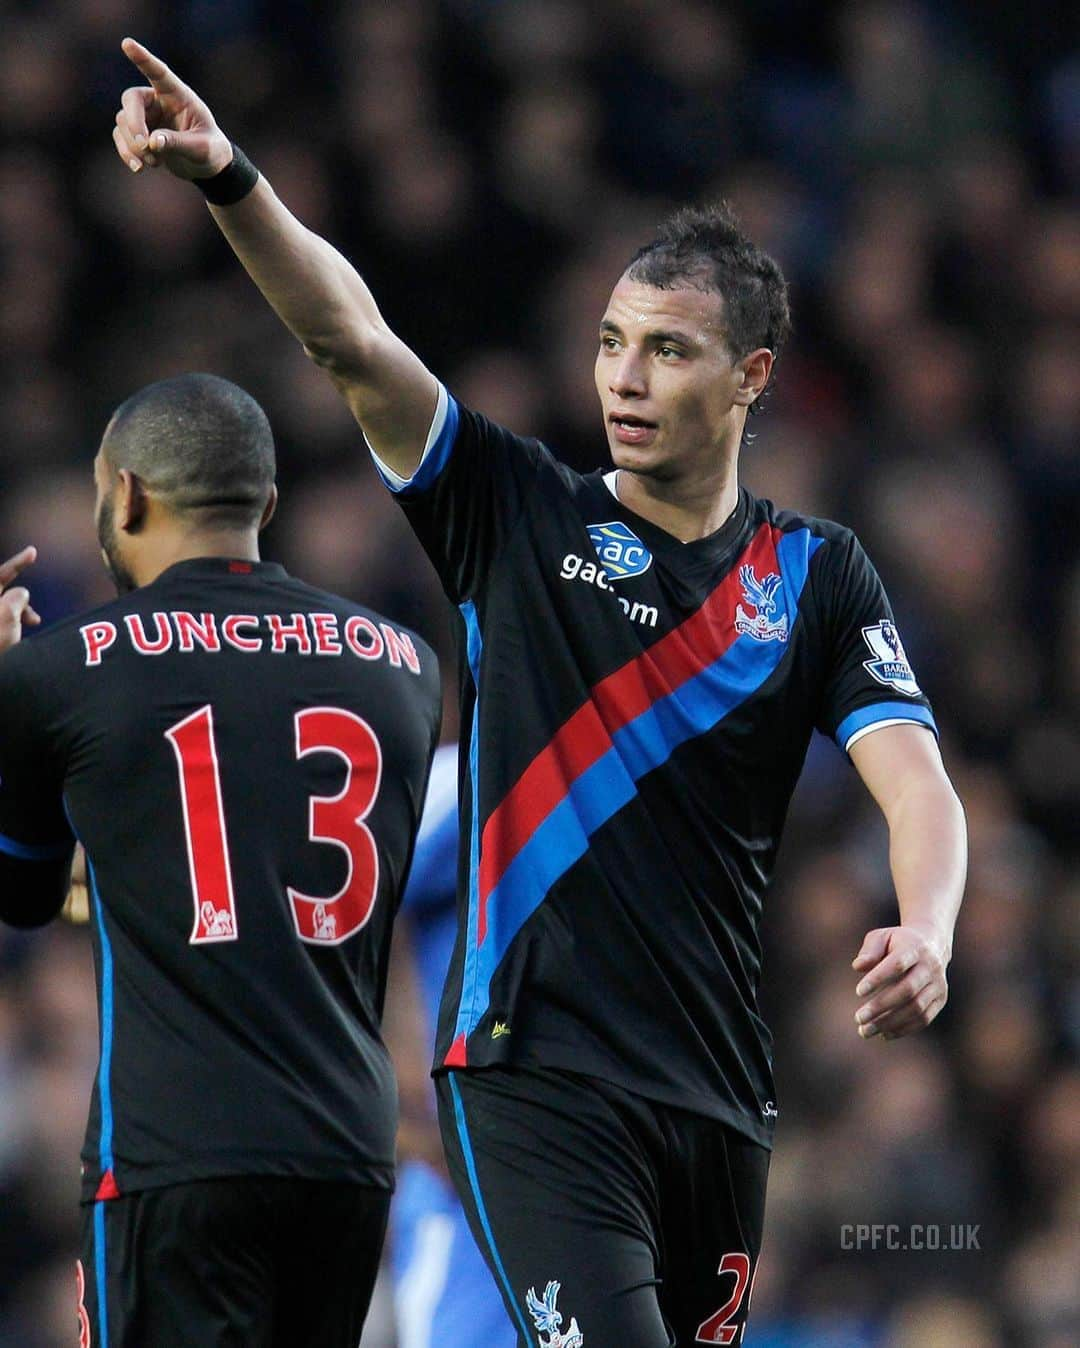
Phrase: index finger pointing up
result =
(157, 72)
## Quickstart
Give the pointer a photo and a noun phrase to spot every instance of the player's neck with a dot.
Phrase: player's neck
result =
(685, 509)
(243, 545)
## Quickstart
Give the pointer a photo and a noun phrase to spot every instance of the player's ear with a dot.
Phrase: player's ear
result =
(271, 506)
(755, 368)
(131, 501)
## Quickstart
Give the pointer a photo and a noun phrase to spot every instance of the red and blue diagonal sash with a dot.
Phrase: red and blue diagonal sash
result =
(635, 718)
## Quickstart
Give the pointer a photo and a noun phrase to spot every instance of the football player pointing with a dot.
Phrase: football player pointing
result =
(604, 1076)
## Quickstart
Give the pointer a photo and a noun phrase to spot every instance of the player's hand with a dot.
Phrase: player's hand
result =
(15, 607)
(76, 909)
(167, 124)
(903, 984)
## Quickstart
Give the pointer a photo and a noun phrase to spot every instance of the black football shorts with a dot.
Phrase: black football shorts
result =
(260, 1261)
(607, 1220)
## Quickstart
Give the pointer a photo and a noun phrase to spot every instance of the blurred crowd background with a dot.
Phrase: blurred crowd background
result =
(491, 166)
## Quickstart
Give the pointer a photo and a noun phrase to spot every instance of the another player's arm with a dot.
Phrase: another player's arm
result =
(76, 909)
(15, 607)
(903, 981)
(33, 877)
(33, 890)
(316, 292)
(405, 1034)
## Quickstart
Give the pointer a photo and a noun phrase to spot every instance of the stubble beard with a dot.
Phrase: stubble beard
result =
(106, 532)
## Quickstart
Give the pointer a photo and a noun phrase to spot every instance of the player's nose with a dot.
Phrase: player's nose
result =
(626, 378)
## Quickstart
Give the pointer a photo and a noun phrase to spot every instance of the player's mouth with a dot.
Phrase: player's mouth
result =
(630, 429)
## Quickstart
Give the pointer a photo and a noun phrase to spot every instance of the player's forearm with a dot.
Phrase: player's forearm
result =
(314, 290)
(928, 856)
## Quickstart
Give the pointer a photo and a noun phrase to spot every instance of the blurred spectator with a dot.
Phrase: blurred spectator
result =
(942, 1321)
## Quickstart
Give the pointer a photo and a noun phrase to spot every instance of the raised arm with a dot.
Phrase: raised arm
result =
(902, 969)
(315, 291)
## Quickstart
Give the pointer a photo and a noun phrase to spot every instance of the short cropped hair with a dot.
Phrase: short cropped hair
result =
(703, 247)
(201, 444)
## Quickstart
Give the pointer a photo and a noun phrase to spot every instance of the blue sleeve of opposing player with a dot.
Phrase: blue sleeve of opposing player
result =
(433, 878)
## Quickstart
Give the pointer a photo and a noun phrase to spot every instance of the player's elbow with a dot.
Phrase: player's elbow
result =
(949, 803)
(924, 788)
(323, 351)
(346, 350)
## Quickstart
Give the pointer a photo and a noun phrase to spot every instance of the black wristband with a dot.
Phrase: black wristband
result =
(233, 183)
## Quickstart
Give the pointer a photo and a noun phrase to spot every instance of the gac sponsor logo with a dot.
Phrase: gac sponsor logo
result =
(592, 573)
(620, 550)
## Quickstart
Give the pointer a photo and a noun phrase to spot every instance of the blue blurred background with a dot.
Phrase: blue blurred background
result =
(490, 166)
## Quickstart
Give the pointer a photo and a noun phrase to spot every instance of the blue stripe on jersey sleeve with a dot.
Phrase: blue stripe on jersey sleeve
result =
(435, 457)
(883, 711)
(35, 851)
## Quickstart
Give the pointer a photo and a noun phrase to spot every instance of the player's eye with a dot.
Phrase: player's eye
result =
(668, 351)
(608, 343)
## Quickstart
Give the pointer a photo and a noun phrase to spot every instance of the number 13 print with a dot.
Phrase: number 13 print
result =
(336, 820)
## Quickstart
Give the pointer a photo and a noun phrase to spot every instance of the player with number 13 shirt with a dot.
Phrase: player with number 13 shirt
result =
(244, 759)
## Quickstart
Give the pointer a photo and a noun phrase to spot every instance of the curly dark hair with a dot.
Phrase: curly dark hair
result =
(703, 246)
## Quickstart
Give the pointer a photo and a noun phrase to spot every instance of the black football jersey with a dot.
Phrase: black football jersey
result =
(244, 759)
(636, 711)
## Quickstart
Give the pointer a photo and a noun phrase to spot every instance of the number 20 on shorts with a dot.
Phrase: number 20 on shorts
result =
(335, 820)
(717, 1328)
